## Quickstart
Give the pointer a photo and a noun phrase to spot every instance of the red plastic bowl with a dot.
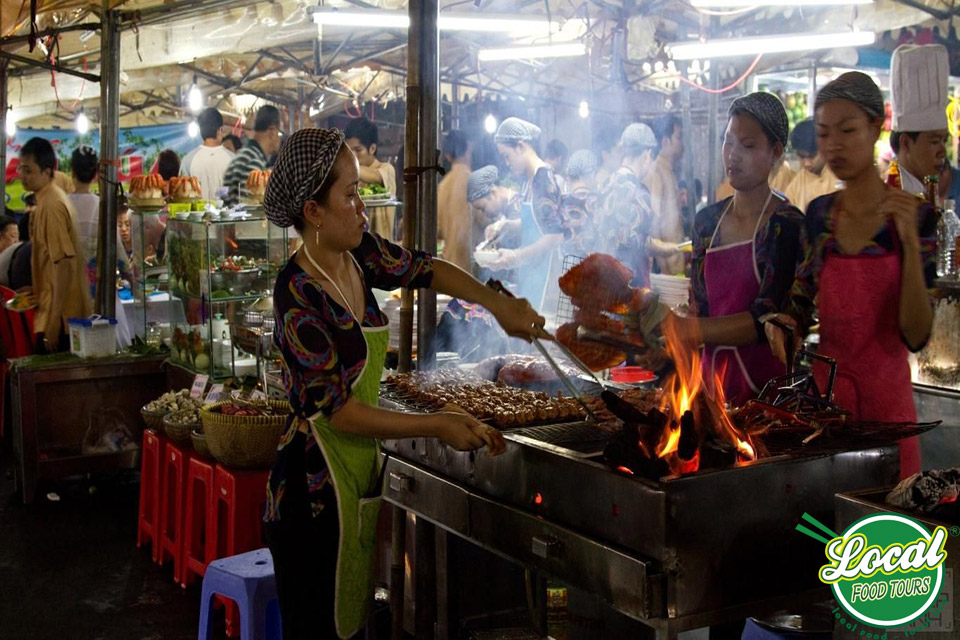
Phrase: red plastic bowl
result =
(630, 375)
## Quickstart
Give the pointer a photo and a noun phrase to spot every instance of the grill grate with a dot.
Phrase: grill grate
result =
(565, 308)
(851, 436)
(577, 438)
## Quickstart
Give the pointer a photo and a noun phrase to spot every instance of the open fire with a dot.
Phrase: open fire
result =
(689, 429)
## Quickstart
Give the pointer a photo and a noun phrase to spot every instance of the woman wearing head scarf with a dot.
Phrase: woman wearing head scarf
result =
(538, 259)
(869, 259)
(745, 253)
(322, 495)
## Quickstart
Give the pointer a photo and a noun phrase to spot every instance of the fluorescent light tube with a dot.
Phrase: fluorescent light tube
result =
(566, 50)
(769, 44)
(759, 4)
(445, 22)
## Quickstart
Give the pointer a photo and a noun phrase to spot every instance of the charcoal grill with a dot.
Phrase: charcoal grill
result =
(676, 553)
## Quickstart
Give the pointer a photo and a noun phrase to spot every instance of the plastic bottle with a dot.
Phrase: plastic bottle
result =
(948, 238)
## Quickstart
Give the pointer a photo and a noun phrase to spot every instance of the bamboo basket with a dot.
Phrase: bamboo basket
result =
(200, 445)
(244, 442)
(153, 419)
(178, 433)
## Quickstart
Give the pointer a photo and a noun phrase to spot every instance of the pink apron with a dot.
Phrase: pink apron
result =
(859, 307)
(733, 282)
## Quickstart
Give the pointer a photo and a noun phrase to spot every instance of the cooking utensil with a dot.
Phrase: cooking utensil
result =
(496, 285)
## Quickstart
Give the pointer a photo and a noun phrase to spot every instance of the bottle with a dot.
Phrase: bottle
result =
(893, 177)
(948, 238)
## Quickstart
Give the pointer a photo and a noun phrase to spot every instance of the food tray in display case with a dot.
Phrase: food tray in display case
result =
(220, 269)
(144, 277)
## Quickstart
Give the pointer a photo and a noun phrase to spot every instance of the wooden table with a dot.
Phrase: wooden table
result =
(54, 398)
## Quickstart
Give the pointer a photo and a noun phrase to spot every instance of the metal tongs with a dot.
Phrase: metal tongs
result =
(496, 285)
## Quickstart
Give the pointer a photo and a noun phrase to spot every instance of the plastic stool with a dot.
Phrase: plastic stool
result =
(172, 500)
(248, 580)
(148, 518)
(235, 522)
(198, 540)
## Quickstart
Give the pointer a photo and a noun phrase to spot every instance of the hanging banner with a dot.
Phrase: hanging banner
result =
(139, 148)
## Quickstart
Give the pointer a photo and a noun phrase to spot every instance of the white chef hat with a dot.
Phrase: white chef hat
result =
(918, 79)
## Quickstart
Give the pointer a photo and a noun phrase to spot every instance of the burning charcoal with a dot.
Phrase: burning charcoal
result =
(652, 468)
(714, 455)
(689, 437)
(651, 430)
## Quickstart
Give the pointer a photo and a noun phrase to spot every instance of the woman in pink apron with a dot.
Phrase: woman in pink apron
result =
(745, 252)
(323, 495)
(869, 260)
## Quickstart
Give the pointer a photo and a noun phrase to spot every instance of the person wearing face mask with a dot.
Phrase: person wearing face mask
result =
(538, 259)
(919, 77)
(323, 493)
(625, 225)
(814, 178)
(869, 260)
(745, 253)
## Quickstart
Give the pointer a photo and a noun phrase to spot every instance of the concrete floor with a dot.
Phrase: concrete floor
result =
(71, 569)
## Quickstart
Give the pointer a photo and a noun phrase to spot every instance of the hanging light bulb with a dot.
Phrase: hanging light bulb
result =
(83, 124)
(490, 124)
(194, 97)
(584, 109)
(193, 129)
(10, 125)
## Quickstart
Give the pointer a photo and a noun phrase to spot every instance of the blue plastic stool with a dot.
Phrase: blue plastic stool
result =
(248, 580)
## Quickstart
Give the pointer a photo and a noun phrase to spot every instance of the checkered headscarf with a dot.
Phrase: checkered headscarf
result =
(858, 88)
(767, 109)
(481, 182)
(303, 165)
(582, 163)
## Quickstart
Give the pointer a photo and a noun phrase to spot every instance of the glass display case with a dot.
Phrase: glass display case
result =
(938, 363)
(221, 273)
(144, 299)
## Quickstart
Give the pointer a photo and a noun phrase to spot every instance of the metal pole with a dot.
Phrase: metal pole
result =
(398, 573)
(411, 159)
(713, 132)
(423, 23)
(687, 168)
(4, 114)
(109, 151)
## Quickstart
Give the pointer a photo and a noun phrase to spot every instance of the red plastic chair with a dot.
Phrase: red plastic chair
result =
(198, 541)
(151, 479)
(16, 335)
(173, 497)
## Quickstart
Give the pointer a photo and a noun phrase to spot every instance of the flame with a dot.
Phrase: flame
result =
(726, 426)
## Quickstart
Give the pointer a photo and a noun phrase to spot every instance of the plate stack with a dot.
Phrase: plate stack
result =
(674, 290)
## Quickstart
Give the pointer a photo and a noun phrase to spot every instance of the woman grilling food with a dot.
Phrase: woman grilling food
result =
(323, 493)
(869, 260)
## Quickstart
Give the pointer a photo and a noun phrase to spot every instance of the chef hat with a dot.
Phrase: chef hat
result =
(637, 138)
(481, 182)
(918, 82)
(516, 130)
(303, 165)
(766, 109)
(582, 163)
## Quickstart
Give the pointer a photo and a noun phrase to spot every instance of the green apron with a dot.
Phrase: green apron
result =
(354, 463)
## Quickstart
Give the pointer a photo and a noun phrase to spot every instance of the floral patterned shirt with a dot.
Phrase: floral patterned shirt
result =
(777, 251)
(544, 194)
(625, 223)
(324, 353)
(819, 241)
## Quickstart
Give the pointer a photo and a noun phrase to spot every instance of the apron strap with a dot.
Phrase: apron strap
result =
(358, 319)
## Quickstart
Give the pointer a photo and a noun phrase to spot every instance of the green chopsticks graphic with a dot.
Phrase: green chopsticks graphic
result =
(819, 525)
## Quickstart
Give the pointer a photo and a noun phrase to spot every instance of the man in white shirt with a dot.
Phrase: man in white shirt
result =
(208, 162)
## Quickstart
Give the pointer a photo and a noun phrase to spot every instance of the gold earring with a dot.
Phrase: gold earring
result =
(317, 238)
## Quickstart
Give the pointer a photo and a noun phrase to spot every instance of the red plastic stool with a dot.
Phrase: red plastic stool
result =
(240, 498)
(198, 540)
(173, 497)
(148, 518)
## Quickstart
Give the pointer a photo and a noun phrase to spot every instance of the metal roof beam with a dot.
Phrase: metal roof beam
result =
(229, 86)
(50, 31)
(51, 67)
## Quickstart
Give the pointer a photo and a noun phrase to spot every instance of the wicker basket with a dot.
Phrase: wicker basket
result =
(200, 444)
(178, 433)
(153, 419)
(244, 442)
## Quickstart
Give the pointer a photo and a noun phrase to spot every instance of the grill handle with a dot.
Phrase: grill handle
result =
(401, 482)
